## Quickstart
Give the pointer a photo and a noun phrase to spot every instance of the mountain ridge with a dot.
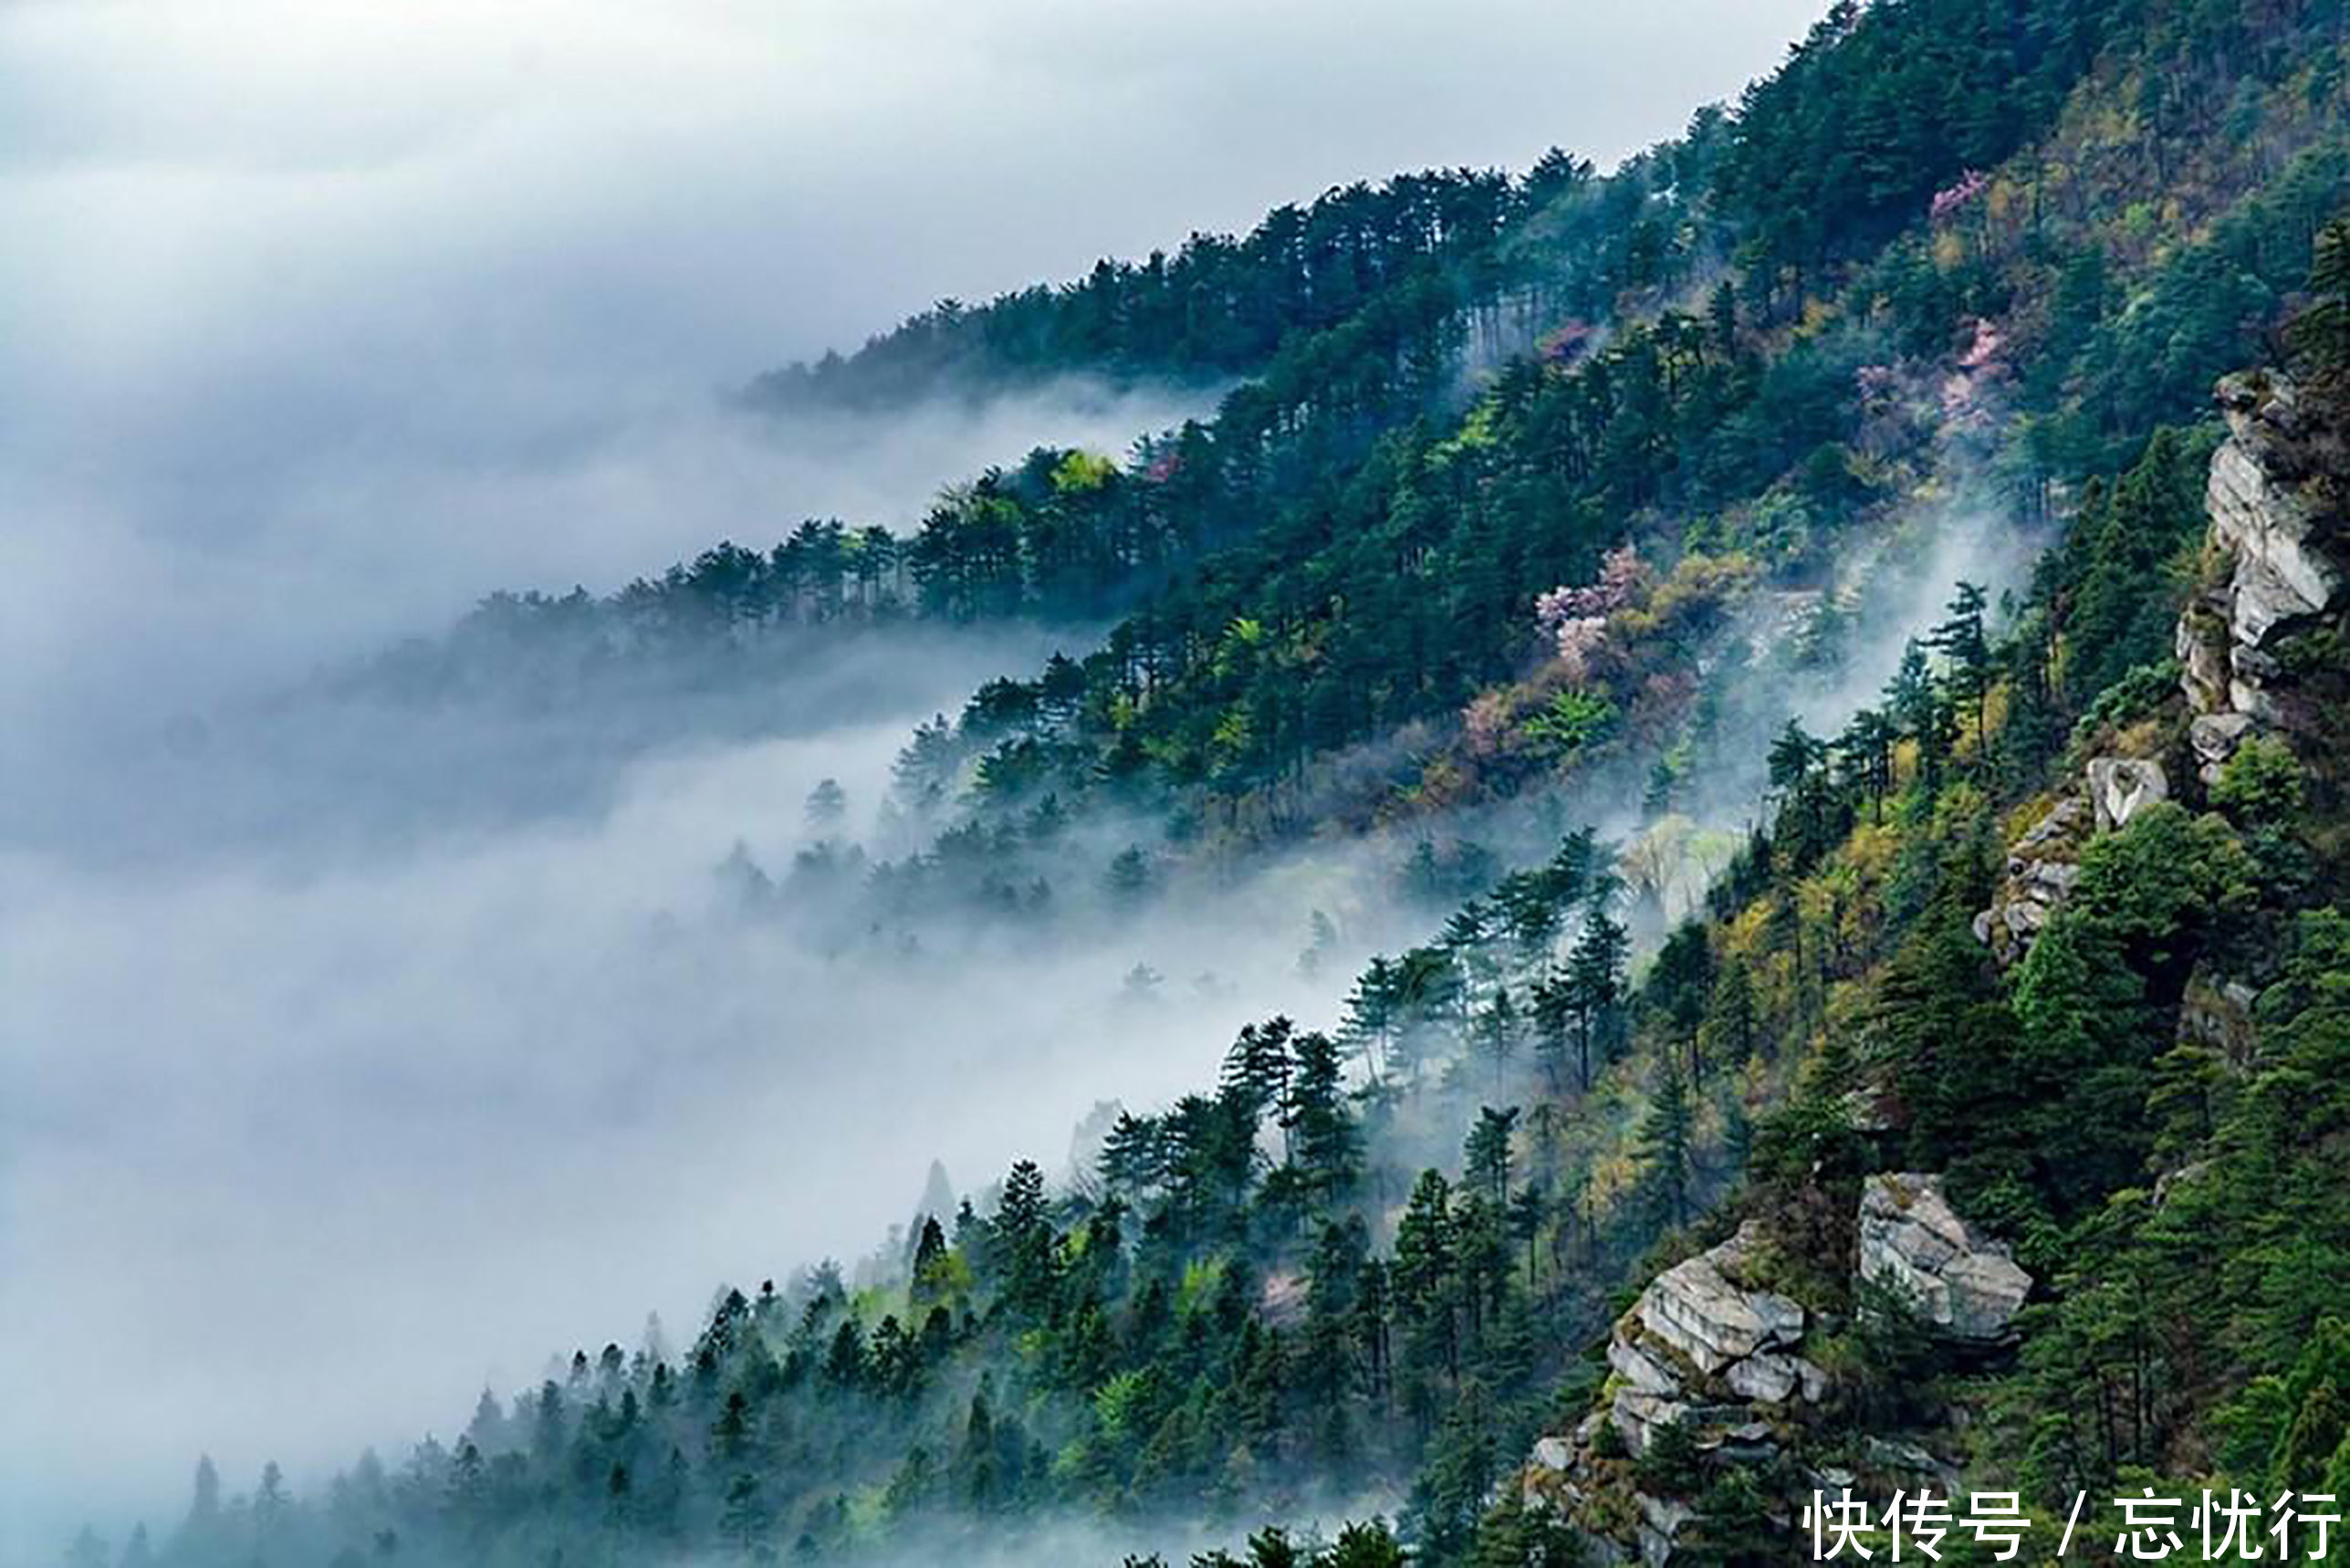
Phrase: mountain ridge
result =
(1138, 1348)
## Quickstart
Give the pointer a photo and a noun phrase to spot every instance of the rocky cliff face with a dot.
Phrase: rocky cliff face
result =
(1713, 1354)
(2044, 863)
(1712, 1358)
(1967, 1287)
(2278, 566)
(2277, 500)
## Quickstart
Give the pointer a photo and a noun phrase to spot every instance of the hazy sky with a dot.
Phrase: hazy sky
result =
(320, 317)
(373, 302)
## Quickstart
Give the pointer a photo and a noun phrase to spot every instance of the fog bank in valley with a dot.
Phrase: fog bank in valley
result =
(355, 1055)
(312, 1150)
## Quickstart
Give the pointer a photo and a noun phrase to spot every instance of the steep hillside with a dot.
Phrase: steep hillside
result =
(1975, 1116)
(2056, 1205)
(1997, 295)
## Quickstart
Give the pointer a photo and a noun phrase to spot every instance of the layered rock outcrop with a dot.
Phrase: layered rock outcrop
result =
(2273, 509)
(2044, 864)
(1967, 1287)
(1711, 1348)
(2276, 498)
(1699, 1308)
(2042, 867)
(1706, 1348)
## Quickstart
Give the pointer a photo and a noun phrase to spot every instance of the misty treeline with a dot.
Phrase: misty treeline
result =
(1224, 1314)
(1348, 546)
(1362, 1271)
(1253, 1305)
(1279, 1294)
(1223, 306)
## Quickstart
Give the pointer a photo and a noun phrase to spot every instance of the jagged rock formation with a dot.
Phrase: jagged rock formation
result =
(2042, 867)
(2271, 508)
(2119, 786)
(2276, 500)
(1705, 1347)
(1967, 1287)
(1698, 1308)
(1710, 1346)
(2044, 864)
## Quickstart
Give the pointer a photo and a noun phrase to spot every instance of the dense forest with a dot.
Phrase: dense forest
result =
(1510, 475)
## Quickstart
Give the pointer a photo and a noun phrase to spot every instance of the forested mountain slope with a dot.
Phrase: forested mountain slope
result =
(1219, 307)
(1951, 258)
(1354, 549)
(2056, 1203)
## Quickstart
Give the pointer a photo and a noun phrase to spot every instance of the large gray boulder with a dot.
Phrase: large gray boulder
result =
(1770, 1377)
(1699, 1308)
(1641, 1370)
(1638, 1416)
(1967, 1286)
(2264, 514)
(2121, 787)
(2042, 867)
(2215, 737)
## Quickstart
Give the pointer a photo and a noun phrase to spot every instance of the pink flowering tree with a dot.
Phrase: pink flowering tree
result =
(1984, 348)
(1575, 619)
(1579, 639)
(1484, 723)
(1951, 198)
(1981, 362)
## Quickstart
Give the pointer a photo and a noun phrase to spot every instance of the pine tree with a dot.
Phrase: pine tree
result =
(1371, 1013)
(1961, 639)
(1485, 1156)
(1665, 1145)
(828, 803)
(1594, 982)
(1021, 1239)
(1553, 1011)
(1495, 1033)
(1323, 1137)
(2321, 333)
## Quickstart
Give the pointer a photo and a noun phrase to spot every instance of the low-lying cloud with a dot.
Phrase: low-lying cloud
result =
(316, 1147)
(354, 1057)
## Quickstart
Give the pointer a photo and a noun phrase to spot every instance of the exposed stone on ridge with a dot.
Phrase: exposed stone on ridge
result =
(2041, 869)
(2276, 500)
(2263, 513)
(1771, 1378)
(1641, 1370)
(1966, 1286)
(2122, 786)
(1698, 1308)
(2214, 738)
(1638, 1416)
(2044, 864)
